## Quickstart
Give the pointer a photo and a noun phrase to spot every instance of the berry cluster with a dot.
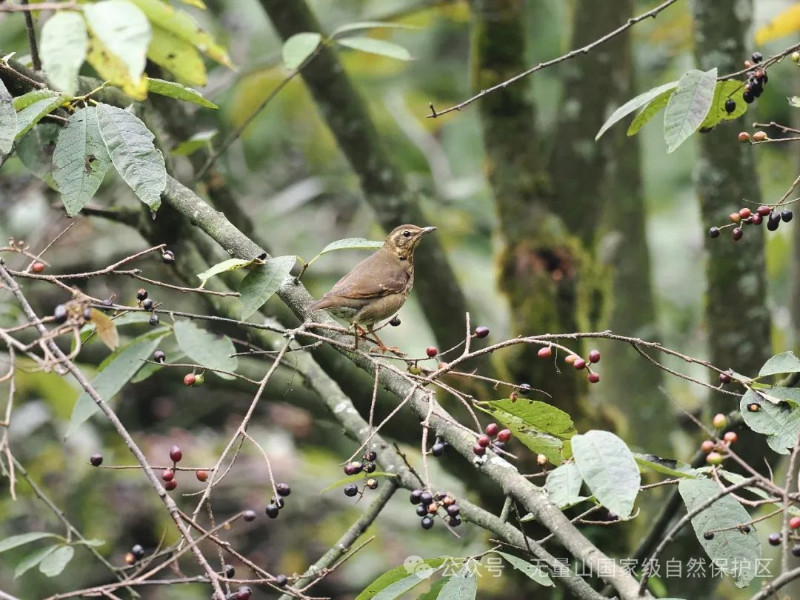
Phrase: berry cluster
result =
(193, 379)
(745, 216)
(756, 80)
(428, 506)
(576, 361)
(147, 303)
(716, 450)
(494, 437)
(276, 503)
(776, 538)
(366, 466)
(168, 474)
(64, 312)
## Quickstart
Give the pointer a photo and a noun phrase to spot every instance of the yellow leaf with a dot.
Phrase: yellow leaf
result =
(784, 24)
(111, 68)
(106, 330)
(196, 3)
(178, 56)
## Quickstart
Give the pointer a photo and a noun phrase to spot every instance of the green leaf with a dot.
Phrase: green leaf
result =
(688, 106)
(33, 113)
(299, 47)
(725, 90)
(183, 26)
(35, 150)
(177, 91)
(230, 264)
(94, 543)
(786, 362)
(113, 69)
(540, 415)
(114, 372)
(666, 466)
(609, 469)
(205, 348)
(124, 31)
(53, 564)
(400, 579)
(136, 159)
(33, 559)
(25, 100)
(633, 104)
(536, 441)
(63, 49)
(350, 244)
(373, 46)
(433, 591)
(649, 111)
(364, 25)
(24, 538)
(535, 573)
(563, 485)
(80, 160)
(178, 56)
(461, 586)
(734, 552)
(8, 120)
(779, 422)
(263, 281)
(194, 143)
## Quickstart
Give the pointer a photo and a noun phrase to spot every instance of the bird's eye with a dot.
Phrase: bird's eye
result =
(406, 233)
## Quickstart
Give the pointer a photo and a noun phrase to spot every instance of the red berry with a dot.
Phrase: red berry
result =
(707, 446)
(201, 474)
(189, 379)
(745, 212)
(170, 485)
(481, 332)
(594, 356)
(37, 267)
(243, 593)
(504, 435)
(579, 364)
(492, 429)
(759, 136)
(764, 210)
(744, 136)
(168, 475)
(570, 358)
(724, 378)
(737, 234)
(593, 377)
(794, 523)
(731, 437)
(479, 450)
(545, 352)
(756, 219)
(175, 454)
(431, 351)
(484, 440)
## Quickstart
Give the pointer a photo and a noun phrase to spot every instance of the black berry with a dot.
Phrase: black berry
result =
(168, 257)
(394, 322)
(730, 106)
(796, 550)
(737, 234)
(422, 510)
(60, 314)
(774, 539)
(96, 460)
(351, 489)
(416, 496)
(786, 215)
(159, 356)
(481, 332)
(138, 551)
(229, 571)
(281, 580)
(708, 535)
(141, 294)
(437, 449)
(748, 97)
(524, 389)
(283, 489)
(353, 468)
(148, 304)
(757, 57)
(427, 522)
(249, 515)
(272, 510)
(370, 455)
(426, 498)
(369, 467)
(153, 320)
(455, 521)
(453, 510)
(277, 501)
(773, 221)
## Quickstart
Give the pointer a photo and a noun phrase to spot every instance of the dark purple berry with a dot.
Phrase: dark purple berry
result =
(481, 332)
(243, 593)
(786, 215)
(175, 454)
(757, 57)
(229, 571)
(422, 510)
(281, 580)
(370, 455)
(724, 378)
(427, 522)
(153, 320)
(437, 449)
(96, 460)
(426, 498)
(168, 257)
(730, 106)
(159, 356)
(416, 496)
(351, 489)
(454, 521)
(283, 489)
(369, 467)
(737, 234)
(249, 515)
(272, 510)
(148, 304)
(775, 539)
(453, 510)
(137, 551)
(60, 314)
(479, 450)
(748, 96)
(773, 221)
(141, 294)
(796, 550)
(764, 210)
(524, 389)
(277, 501)
(713, 232)
(394, 322)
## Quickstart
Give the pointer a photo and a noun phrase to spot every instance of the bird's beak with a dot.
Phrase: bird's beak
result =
(428, 229)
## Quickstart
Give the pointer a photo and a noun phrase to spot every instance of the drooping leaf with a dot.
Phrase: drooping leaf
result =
(205, 348)
(540, 415)
(374, 46)
(178, 56)
(299, 47)
(199, 140)
(23, 538)
(63, 49)
(230, 264)
(136, 159)
(633, 104)
(350, 244)
(28, 98)
(724, 91)
(786, 23)
(35, 150)
(688, 106)
(532, 571)
(779, 422)
(533, 439)
(649, 111)
(8, 120)
(563, 485)
(734, 552)
(54, 563)
(392, 583)
(262, 282)
(124, 31)
(665, 466)
(33, 559)
(177, 91)
(182, 25)
(364, 25)
(106, 329)
(786, 362)
(111, 68)
(461, 586)
(114, 372)
(609, 469)
(33, 113)
(80, 160)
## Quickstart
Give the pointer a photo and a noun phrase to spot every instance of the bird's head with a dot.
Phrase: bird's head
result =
(402, 240)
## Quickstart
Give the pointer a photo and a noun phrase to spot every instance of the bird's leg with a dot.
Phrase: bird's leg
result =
(381, 346)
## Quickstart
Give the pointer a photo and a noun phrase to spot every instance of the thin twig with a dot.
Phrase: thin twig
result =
(34, 48)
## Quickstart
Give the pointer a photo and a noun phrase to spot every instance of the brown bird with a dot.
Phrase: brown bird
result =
(378, 286)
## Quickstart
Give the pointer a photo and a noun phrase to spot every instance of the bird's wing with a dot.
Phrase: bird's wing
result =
(377, 275)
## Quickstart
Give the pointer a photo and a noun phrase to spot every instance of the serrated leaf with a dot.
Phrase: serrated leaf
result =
(665, 466)
(114, 372)
(124, 31)
(24, 538)
(461, 586)
(779, 422)
(80, 160)
(262, 282)
(106, 329)
(194, 143)
(32, 560)
(733, 552)
(136, 159)
(724, 91)
(364, 25)
(540, 415)
(54, 563)
(394, 580)
(35, 150)
(688, 106)
(8, 120)
(230, 264)
(649, 111)
(633, 104)
(563, 485)
(608, 468)
(177, 91)
(205, 348)
(373, 46)
(63, 49)
(786, 362)
(786, 23)
(532, 571)
(353, 479)
(32, 114)
(111, 68)
(299, 47)
(182, 25)
(178, 56)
